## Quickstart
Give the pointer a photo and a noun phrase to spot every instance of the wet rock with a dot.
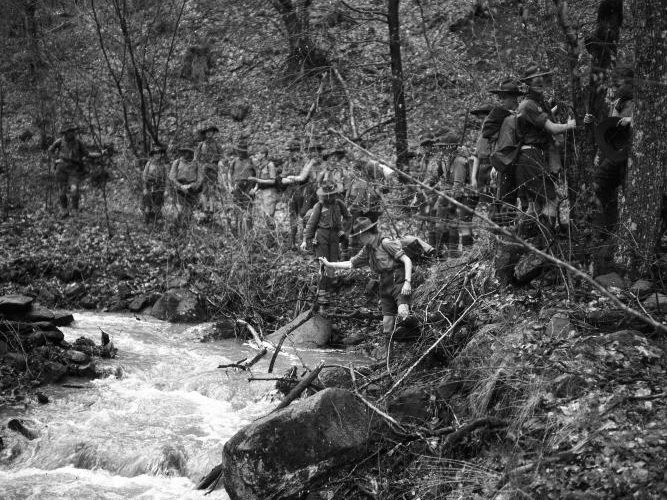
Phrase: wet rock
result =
(54, 336)
(42, 398)
(21, 426)
(336, 376)
(62, 318)
(656, 301)
(411, 405)
(78, 357)
(16, 360)
(52, 371)
(88, 370)
(138, 303)
(178, 305)
(36, 339)
(559, 326)
(529, 267)
(278, 456)
(15, 304)
(44, 325)
(641, 288)
(220, 330)
(117, 304)
(39, 313)
(316, 332)
(74, 290)
(611, 279)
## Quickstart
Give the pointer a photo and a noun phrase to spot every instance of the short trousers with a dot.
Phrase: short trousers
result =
(391, 284)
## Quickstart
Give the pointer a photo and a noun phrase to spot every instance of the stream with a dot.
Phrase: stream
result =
(150, 433)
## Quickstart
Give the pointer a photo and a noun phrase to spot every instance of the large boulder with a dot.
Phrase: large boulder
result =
(178, 305)
(316, 332)
(278, 455)
(15, 304)
(38, 313)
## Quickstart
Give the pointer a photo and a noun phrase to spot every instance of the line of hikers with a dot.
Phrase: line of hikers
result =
(338, 203)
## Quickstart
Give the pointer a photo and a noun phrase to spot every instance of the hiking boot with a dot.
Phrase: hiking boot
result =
(354, 339)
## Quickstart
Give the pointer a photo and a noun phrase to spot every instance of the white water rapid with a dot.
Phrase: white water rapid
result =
(150, 434)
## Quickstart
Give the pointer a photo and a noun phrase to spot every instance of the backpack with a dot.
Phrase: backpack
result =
(416, 249)
(508, 146)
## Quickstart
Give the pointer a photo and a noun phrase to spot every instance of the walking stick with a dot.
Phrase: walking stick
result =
(309, 315)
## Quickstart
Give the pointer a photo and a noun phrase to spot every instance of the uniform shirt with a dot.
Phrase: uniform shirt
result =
(241, 169)
(70, 151)
(532, 120)
(208, 152)
(155, 170)
(185, 172)
(381, 255)
(328, 216)
(493, 122)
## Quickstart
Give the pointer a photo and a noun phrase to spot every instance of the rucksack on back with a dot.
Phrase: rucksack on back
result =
(508, 146)
(417, 249)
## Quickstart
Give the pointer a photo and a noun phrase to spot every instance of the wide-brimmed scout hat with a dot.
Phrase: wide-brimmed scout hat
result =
(186, 149)
(361, 225)
(614, 141)
(507, 87)
(329, 189)
(426, 139)
(157, 149)
(69, 127)
(533, 71)
(482, 110)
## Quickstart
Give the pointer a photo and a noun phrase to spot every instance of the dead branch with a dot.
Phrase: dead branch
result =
(516, 239)
(246, 364)
(427, 351)
(343, 83)
(284, 336)
(382, 414)
(373, 127)
(316, 102)
(455, 437)
(294, 327)
(300, 387)
(253, 332)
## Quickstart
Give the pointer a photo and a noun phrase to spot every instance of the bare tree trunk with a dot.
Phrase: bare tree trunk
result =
(303, 53)
(645, 183)
(401, 122)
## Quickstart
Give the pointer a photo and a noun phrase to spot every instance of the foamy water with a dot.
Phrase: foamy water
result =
(153, 432)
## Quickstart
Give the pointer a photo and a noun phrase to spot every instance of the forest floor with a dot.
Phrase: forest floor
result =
(554, 394)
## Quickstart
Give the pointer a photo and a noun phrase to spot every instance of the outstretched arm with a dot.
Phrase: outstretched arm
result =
(407, 264)
(346, 264)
